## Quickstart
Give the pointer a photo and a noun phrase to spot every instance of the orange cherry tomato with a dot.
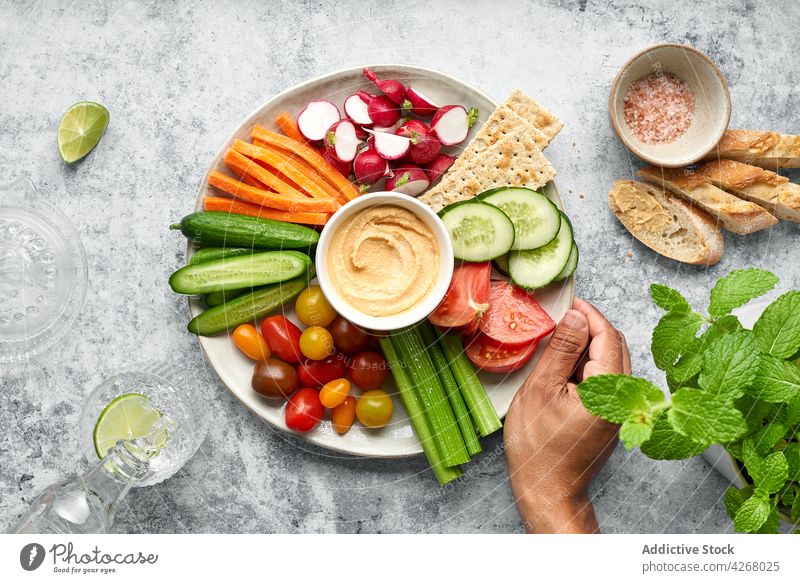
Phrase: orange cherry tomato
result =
(374, 408)
(334, 393)
(252, 344)
(342, 417)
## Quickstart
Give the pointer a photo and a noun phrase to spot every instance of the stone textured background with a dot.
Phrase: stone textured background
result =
(177, 77)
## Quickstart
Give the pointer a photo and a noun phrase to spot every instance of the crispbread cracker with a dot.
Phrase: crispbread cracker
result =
(514, 160)
(501, 122)
(535, 114)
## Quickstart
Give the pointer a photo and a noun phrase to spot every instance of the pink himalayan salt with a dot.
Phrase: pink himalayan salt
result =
(659, 108)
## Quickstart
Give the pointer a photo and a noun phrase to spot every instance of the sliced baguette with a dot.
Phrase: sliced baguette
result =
(738, 216)
(769, 150)
(772, 191)
(665, 223)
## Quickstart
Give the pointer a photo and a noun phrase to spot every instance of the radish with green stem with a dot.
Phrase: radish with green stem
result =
(452, 122)
(369, 167)
(341, 140)
(382, 111)
(390, 146)
(392, 88)
(424, 147)
(315, 119)
(420, 104)
(410, 180)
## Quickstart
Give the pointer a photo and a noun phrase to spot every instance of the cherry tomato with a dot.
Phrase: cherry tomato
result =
(334, 393)
(316, 343)
(250, 341)
(466, 298)
(374, 408)
(492, 356)
(514, 317)
(369, 369)
(304, 411)
(348, 337)
(342, 416)
(315, 373)
(274, 379)
(312, 307)
(283, 338)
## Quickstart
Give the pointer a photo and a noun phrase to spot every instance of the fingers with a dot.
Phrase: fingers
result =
(608, 352)
(563, 353)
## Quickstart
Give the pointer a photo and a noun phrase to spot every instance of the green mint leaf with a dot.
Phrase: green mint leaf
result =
(755, 410)
(733, 501)
(767, 436)
(705, 417)
(772, 524)
(668, 299)
(795, 512)
(792, 454)
(730, 364)
(790, 412)
(739, 287)
(690, 362)
(778, 380)
(672, 335)
(777, 331)
(750, 456)
(635, 431)
(615, 397)
(771, 474)
(753, 513)
(667, 444)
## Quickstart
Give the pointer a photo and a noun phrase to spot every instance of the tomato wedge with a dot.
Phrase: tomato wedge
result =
(466, 299)
(514, 318)
(491, 356)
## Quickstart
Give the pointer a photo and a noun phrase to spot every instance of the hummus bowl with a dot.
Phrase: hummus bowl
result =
(395, 260)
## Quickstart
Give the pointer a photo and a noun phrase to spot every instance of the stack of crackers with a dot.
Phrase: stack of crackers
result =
(507, 151)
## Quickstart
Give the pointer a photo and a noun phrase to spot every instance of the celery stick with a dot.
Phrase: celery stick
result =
(434, 401)
(477, 400)
(450, 387)
(416, 415)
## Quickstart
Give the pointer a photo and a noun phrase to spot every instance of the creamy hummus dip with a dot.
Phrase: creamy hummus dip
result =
(384, 260)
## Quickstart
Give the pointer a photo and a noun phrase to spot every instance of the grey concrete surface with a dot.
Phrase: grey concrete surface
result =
(178, 76)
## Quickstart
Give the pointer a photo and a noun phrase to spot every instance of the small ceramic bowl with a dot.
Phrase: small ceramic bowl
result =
(712, 110)
(424, 307)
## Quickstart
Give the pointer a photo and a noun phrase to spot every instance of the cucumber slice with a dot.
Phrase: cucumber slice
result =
(211, 253)
(537, 267)
(536, 219)
(245, 271)
(572, 263)
(478, 231)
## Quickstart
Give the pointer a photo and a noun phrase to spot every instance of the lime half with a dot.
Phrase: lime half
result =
(81, 128)
(129, 416)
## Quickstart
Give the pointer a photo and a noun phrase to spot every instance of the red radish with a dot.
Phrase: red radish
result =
(424, 147)
(420, 104)
(355, 107)
(369, 167)
(383, 111)
(412, 128)
(452, 122)
(341, 140)
(439, 166)
(390, 146)
(392, 88)
(316, 118)
(410, 180)
(342, 167)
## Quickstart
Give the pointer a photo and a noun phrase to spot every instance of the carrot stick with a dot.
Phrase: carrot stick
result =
(289, 127)
(244, 165)
(238, 207)
(307, 153)
(270, 199)
(285, 165)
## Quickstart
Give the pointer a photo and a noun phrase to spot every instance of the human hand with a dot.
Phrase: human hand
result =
(554, 446)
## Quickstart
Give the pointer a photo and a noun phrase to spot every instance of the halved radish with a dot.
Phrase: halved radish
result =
(316, 118)
(383, 111)
(341, 140)
(420, 104)
(452, 122)
(342, 167)
(355, 107)
(439, 166)
(409, 180)
(390, 146)
(393, 89)
(369, 167)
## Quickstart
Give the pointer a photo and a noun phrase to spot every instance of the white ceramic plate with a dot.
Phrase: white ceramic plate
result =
(235, 370)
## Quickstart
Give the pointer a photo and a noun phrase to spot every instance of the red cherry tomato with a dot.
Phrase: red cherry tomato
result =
(369, 369)
(491, 356)
(304, 410)
(283, 338)
(347, 337)
(315, 373)
(466, 298)
(514, 317)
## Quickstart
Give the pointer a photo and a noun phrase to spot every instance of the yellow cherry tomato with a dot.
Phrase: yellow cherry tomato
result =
(342, 417)
(312, 307)
(316, 343)
(250, 341)
(374, 408)
(334, 393)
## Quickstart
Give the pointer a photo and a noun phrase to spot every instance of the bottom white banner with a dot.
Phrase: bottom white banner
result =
(389, 558)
